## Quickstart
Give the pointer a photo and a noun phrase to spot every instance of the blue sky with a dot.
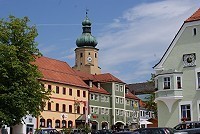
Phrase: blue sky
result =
(132, 35)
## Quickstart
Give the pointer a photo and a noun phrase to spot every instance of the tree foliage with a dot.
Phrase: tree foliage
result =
(20, 91)
(150, 103)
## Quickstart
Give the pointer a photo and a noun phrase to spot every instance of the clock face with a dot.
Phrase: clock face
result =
(89, 59)
(189, 60)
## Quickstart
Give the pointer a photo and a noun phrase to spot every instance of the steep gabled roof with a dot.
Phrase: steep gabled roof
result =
(58, 71)
(84, 75)
(131, 96)
(98, 90)
(107, 77)
(194, 17)
(141, 88)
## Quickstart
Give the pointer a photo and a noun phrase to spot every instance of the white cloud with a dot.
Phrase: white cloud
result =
(141, 36)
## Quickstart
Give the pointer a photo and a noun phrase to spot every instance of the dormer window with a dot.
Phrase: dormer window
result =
(90, 84)
(194, 31)
(99, 86)
(166, 82)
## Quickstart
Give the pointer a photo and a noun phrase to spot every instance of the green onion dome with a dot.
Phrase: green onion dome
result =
(86, 39)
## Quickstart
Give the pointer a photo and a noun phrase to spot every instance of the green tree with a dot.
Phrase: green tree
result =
(20, 91)
(150, 103)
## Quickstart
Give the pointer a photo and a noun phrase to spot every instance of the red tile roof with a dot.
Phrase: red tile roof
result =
(98, 90)
(107, 77)
(58, 71)
(131, 96)
(194, 17)
(84, 75)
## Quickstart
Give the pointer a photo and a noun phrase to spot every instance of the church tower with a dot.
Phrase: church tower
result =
(86, 58)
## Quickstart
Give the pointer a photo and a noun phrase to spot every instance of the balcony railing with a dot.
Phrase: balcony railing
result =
(169, 93)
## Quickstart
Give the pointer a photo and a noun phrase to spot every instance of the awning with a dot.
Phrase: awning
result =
(81, 118)
(145, 122)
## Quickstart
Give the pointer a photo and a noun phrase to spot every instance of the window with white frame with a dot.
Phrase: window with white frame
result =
(117, 112)
(127, 114)
(121, 88)
(117, 87)
(121, 112)
(121, 100)
(102, 98)
(127, 102)
(92, 109)
(106, 99)
(92, 96)
(102, 110)
(166, 82)
(117, 99)
(198, 80)
(198, 108)
(179, 82)
(107, 111)
(185, 112)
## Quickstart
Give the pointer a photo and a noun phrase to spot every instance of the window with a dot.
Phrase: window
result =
(121, 112)
(121, 88)
(64, 90)
(198, 79)
(117, 100)
(194, 31)
(57, 107)
(49, 105)
(81, 54)
(49, 123)
(102, 111)
(166, 82)
(64, 108)
(102, 98)
(106, 99)
(107, 111)
(121, 100)
(94, 110)
(57, 124)
(95, 55)
(70, 108)
(89, 53)
(70, 123)
(84, 93)
(94, 97)
(127, 114)
(49, 87)
(127, 102)
(83, 110)
(185, 112)
(42, 122)
(57, 89)
(78, 109)
(179, 82)
(78, 93)
(70, 92)
(117, 112)
(64, 124)
(117, 88)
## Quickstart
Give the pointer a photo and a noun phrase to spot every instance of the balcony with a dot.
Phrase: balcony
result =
(169, 96)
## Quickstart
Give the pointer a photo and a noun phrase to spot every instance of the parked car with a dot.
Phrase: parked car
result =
(47, 131)
(157, 130)
(192, 127)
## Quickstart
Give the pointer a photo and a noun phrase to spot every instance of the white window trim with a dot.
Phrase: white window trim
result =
(185, 103)
(170, 80)
(121, 88)
(198, 109)
(177, 82)
(196, 77)
(117, 85)
(117, 100)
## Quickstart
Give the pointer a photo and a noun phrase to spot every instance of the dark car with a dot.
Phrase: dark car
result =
(47, 131)
(192, 127)
(159, 130)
